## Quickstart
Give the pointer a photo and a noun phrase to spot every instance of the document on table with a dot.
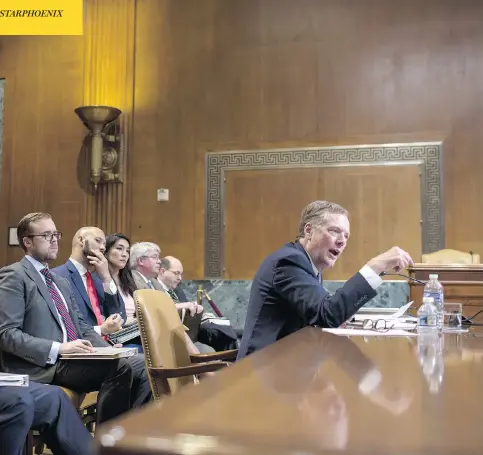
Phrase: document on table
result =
(373, 333)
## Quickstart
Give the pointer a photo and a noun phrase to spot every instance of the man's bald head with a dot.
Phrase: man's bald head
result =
(171, 272)
(86, 239)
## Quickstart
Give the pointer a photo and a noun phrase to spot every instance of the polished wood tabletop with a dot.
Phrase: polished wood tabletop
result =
(315, 392)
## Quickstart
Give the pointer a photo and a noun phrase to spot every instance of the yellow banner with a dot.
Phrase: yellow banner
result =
(41, 17)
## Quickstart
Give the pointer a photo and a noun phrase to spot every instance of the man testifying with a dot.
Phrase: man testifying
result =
(287, 292)
(40, 321)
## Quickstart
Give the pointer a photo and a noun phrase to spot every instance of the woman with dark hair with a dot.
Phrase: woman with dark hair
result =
(117, 254)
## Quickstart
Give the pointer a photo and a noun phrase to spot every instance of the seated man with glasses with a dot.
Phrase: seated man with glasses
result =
(40, 321)
(145, 264)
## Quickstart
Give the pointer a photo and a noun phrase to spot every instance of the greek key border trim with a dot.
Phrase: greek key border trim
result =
(428, 155)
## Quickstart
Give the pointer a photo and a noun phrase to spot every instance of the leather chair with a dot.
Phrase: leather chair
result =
(450, 257)
(168, 362)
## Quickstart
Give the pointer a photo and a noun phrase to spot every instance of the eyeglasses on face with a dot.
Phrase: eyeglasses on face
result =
(48, 236)
(154, 256)
(176, 273)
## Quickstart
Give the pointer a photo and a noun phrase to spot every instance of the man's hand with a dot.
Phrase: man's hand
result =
(76, 347)
(394, 259)
(100, 263)
(112, 324)
(192, 307)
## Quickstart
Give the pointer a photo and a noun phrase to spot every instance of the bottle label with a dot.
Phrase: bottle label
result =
(437, 296)
(427, 320)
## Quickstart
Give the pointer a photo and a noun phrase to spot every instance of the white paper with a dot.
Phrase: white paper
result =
(369, 333)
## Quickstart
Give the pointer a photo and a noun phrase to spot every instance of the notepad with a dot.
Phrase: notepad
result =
(104, 353)
(18, 380)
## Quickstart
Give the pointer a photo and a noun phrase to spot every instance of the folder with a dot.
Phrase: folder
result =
(104, 353)
(17, 380)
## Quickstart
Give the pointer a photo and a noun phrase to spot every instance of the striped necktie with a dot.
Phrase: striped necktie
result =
(61, 308)
(151, 285)
(173, 295)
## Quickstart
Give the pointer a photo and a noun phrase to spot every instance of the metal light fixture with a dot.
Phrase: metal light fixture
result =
(104, 160)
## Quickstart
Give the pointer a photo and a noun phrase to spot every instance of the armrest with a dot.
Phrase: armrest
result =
(210, 356)
(189, 370)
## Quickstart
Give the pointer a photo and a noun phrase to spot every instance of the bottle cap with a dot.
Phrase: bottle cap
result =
(433, 276)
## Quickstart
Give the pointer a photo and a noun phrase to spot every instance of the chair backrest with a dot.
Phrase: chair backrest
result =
(162, 337)
(448, 257)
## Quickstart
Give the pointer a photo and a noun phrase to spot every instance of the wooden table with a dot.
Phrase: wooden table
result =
(315, 392)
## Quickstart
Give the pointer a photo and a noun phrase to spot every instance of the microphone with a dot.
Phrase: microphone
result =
(404, 276)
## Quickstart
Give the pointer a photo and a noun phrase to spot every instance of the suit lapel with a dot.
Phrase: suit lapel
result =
(79, 284)
(299, 247)
(32, 273)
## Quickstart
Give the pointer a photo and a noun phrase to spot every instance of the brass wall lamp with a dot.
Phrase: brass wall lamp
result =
(105, 143)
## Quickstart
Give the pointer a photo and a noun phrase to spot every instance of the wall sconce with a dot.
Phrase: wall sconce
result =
(105, 144)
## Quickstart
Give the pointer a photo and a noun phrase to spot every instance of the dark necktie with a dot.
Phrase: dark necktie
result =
(173, 295)
(61, 308)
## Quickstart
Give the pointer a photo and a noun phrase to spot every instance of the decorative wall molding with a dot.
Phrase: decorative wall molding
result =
(427, 155)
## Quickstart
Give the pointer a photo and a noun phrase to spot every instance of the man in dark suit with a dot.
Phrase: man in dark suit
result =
(45, 408)
(287, 292)
(40, 321)
(94, 289)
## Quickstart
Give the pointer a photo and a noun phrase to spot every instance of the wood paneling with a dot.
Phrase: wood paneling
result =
(42, 135)
(262, 74)
(247, 74)
(263, 212)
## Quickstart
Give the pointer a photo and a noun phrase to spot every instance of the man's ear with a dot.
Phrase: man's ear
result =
(308, 230)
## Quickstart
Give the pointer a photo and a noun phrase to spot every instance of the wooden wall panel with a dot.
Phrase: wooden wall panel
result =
(42, 135)
(263, 212)
(263, 74)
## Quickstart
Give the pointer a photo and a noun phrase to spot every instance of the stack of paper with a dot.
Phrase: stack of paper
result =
(10, 379)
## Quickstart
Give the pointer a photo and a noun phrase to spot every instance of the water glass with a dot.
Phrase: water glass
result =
(452, 315)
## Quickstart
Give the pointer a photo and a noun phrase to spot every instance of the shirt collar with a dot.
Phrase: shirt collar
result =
(80, 268)
(38, 265)
(164, 286)
(317, 273)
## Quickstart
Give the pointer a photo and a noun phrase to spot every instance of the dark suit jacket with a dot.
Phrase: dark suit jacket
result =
(29, 321)
(110, 304)
(286, 296)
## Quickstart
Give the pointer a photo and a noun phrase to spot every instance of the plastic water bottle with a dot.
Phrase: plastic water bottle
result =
(434, 289)
(428, 316)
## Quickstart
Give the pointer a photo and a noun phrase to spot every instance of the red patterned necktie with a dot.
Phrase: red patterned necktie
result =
(61, 308)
